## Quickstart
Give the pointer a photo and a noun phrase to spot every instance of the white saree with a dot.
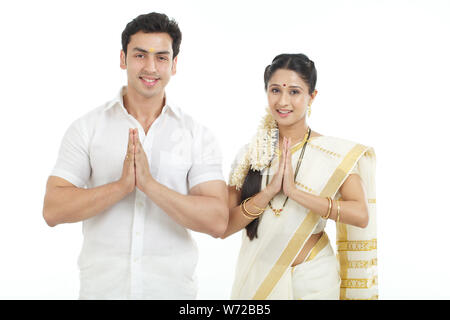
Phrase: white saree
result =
(263, 269)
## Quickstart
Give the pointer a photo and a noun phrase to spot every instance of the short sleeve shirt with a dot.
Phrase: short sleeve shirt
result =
(134, 250)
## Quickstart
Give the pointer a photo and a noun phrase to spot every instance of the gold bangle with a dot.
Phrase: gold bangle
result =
(248, 212)
(244, 214)
(260, 209)
(338, 210)
(330, 206)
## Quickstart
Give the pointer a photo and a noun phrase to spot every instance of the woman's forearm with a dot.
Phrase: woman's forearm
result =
(237, 221)
(351, 212)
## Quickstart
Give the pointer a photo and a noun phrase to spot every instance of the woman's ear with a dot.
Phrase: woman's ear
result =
(313, 95)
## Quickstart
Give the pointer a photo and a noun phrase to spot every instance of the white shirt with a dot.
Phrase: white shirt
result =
(134, 250)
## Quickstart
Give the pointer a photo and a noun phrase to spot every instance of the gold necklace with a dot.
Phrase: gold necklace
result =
(297, 147)
(299, 162)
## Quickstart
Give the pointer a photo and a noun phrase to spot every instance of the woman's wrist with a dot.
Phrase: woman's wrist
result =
(261, 200)
(296, 195)
(269, 192)
(290, 191)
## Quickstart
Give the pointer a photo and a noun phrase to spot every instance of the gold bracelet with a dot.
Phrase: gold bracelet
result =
(248, 212)
(260, 209)
(330, 206)
(338, 210)
(244, 214)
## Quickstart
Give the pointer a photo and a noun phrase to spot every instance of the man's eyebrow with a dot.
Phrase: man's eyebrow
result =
(146, 51)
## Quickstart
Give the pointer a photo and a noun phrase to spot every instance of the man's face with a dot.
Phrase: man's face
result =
(149, 63)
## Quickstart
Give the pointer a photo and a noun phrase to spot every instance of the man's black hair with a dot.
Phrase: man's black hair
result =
(149, 23)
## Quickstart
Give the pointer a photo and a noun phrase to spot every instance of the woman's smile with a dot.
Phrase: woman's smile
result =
(284, 112)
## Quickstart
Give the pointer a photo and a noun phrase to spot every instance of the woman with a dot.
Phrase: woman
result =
(285, 185)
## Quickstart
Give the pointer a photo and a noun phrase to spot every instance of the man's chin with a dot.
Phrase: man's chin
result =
(148, 93)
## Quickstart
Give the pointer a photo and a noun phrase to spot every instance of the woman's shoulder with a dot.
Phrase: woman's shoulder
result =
(336, 145)
(331, 140)
(242, 150)
(241, 156)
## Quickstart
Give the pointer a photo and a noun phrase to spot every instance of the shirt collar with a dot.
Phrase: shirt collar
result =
(118, 101)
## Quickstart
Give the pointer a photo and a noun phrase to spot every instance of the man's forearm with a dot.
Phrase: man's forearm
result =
(199, 213)
(72, 204)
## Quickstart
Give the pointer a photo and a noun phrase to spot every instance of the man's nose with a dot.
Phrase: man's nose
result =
(150, 65)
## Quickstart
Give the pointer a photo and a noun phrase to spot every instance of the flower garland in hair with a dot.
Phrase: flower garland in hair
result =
(259, 153)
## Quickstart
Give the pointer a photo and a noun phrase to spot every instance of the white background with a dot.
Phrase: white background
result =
(383, 77)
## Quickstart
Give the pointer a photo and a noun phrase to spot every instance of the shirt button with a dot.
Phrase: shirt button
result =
(140, 204)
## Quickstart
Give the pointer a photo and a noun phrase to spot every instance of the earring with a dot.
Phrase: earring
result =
(309, 110)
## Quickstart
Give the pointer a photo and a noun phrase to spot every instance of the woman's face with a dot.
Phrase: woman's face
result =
(288, 97)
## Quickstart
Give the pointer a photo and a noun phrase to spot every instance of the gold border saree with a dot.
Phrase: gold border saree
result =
(264, 261)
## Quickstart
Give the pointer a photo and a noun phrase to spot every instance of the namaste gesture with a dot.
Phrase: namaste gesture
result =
(136, 171)
(284, 177)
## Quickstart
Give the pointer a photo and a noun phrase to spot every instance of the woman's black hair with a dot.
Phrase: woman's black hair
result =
(305, 68)
(299, 63)
(250, 187)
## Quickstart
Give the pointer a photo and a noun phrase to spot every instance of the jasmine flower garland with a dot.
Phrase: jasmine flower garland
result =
(259, 153)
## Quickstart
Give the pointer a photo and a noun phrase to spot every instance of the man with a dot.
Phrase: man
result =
(139, 173)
